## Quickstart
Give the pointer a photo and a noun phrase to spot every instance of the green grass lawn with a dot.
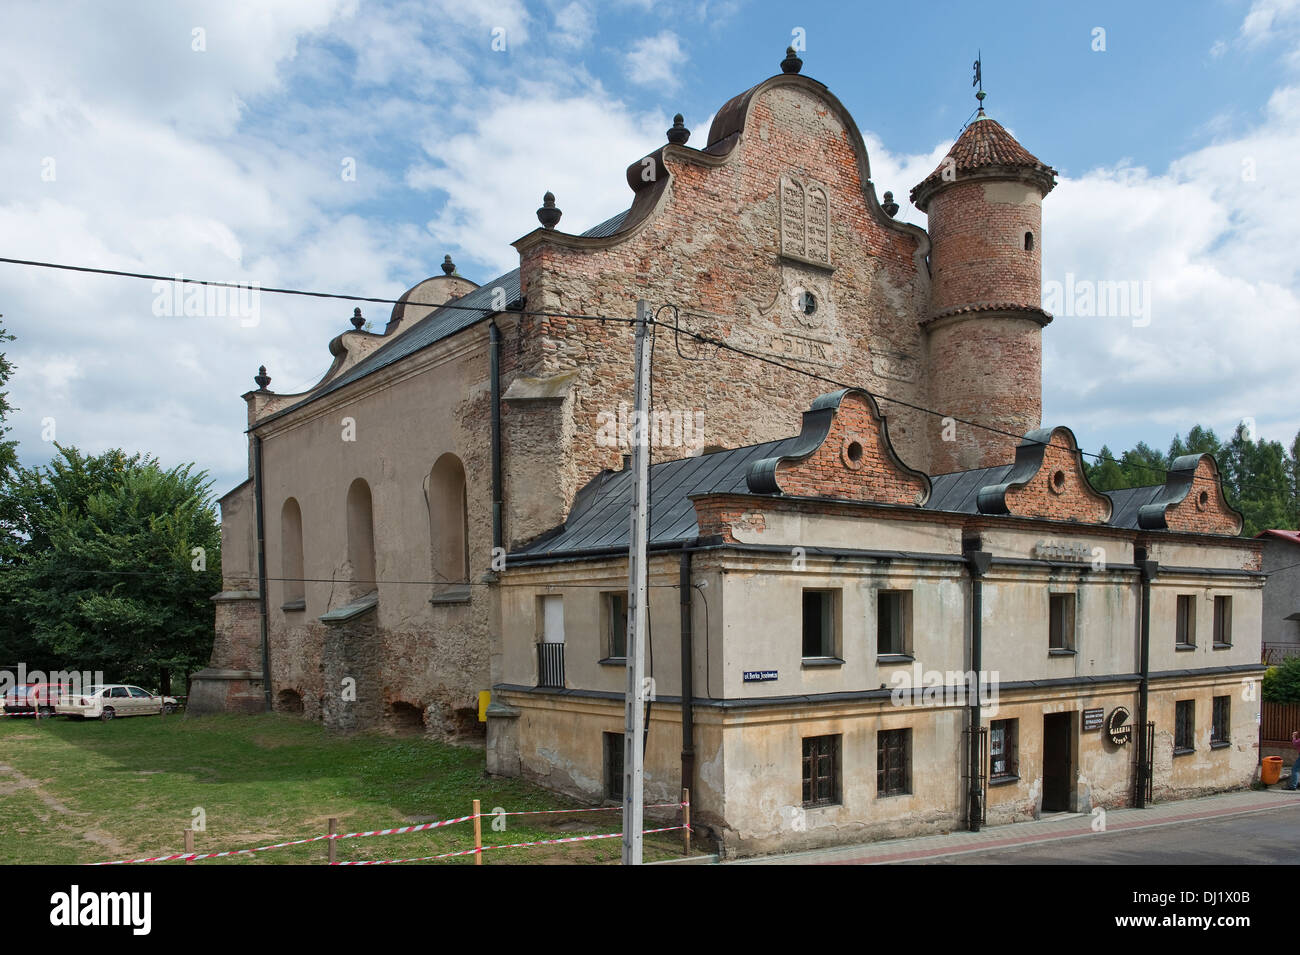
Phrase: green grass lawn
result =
(74, 792)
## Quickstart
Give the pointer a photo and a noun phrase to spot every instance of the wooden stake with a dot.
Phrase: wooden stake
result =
(189, 844)
(686, 819)
(478, 836)
(334, 843)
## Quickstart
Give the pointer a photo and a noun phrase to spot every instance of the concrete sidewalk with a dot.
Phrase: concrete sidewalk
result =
(1055, 827)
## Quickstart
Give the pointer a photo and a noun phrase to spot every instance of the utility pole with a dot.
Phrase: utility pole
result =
(637, 591)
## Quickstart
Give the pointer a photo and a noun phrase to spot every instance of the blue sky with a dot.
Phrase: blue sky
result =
(129, 140)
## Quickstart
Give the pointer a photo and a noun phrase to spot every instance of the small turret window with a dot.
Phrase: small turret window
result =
(1029, 242)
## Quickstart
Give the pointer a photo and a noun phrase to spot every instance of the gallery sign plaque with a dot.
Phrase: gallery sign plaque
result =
(1094, 719)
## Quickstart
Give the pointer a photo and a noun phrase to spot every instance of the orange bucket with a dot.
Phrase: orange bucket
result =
(1272, 770)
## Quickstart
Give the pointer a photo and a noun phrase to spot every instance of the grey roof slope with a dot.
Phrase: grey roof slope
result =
(1128, 502)
(441, 322)
(959, 490)
(601, 511)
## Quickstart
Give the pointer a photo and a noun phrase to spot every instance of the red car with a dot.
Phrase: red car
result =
(28, 699)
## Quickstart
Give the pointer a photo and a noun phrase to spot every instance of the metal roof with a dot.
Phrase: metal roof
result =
(601, 511)
(1128, 501)
(959, 490)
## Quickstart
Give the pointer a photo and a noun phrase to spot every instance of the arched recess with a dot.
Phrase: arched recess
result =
(361, 537)
(291, 557)
(448, 523)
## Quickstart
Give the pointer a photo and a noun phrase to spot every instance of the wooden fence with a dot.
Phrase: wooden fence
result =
(1276, 721)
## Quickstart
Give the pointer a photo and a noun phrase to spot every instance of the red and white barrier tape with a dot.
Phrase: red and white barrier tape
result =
(194, 856)
(513, 845)
(542, 812)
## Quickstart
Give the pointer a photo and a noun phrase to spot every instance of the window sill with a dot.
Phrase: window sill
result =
(294, 606)
(1184, 646)
(613, 662)
(880, 795)
(1220, 743)
(889, 658)
(815, 662)
(1061, 652)
(1183, 752)
(1222, 646)
(1003, 780)
(810, 806)
(454, 594)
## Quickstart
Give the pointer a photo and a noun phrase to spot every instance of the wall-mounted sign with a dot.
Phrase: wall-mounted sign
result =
(1093, 719)
(760, 676)
(1053, 550)
(1117, 726)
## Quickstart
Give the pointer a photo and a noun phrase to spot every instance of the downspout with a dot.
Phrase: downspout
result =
(261, 568)
(494, 338)
(688, 675)
(1148, 570)
(977, 564)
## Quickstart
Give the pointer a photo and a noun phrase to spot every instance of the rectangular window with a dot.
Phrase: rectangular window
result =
(893, 762)
(615, 614)
(1223, 621)
(1185, 621)
(821, 770)
(1003, 749)
(614, 766)
(550, 619)
(1222, 720)
(1061, 624)
(819, 623)
(1184, 726)
(894, 622)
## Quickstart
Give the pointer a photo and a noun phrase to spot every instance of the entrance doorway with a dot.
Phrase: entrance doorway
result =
(1058, 763)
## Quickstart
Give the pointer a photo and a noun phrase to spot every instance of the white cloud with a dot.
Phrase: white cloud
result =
(656, 61)
(575, 24)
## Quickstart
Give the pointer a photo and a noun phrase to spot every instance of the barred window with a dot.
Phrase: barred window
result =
(1222, 720)
(893, 762)
(1184, 726)
(821, 770)
(1003, 746)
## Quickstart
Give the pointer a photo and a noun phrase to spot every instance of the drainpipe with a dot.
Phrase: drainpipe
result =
(977, 564)
(688, 675)
(494, 337)
(1148, 570)
(261, 568)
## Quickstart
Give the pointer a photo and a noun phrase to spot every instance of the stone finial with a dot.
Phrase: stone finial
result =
(357, 320)
(448, 266)
(679, 133)
(548, 215)
(889, 205)
(791, 63)
(262, 378)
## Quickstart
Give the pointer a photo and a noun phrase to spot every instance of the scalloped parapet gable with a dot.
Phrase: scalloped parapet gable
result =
(844, 452)
(1047, 481)
(1192, 500)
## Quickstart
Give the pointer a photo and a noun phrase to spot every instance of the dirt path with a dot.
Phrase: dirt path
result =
(12, 781)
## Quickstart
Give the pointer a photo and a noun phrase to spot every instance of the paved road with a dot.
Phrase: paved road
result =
(1271, 837)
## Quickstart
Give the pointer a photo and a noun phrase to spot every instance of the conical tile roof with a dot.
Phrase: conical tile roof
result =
(984, 146)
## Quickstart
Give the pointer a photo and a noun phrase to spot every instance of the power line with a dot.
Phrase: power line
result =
(178, 279)
(705, 339)
(718, 343)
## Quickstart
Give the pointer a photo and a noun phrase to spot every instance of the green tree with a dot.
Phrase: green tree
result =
(1281, 684)
(116, 561)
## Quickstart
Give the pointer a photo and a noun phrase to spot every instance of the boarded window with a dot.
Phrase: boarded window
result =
(1223, 621)
(448, 521)
(361, 538)
(1185, 621)
(291, 560)
(1061, 625)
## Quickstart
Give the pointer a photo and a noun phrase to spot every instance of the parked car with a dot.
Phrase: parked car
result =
(26, 699)
(112, 700)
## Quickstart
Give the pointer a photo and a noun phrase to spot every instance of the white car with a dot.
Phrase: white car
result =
(113, 700)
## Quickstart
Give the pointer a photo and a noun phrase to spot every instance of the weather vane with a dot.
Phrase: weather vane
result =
(979, 78)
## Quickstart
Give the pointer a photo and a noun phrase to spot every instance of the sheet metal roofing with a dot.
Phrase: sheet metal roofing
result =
(602, 510)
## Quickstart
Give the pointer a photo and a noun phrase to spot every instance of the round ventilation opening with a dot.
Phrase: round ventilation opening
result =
(855, 452)
(1058, 481)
